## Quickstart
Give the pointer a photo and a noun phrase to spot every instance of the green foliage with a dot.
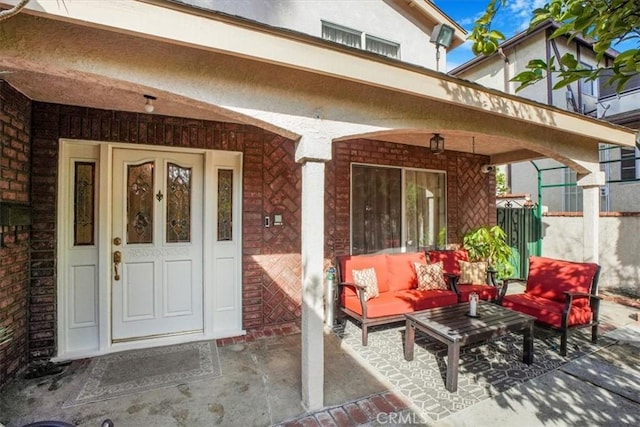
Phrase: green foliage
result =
(490, 244)
(486, 40)
(501, 183)
(442, 237)
(605, 22)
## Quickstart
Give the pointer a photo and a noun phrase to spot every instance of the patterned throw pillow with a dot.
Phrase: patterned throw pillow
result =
(473, 272)
(367, 278)
(430, 276)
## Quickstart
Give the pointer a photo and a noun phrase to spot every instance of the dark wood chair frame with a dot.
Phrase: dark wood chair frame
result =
(594, 302)
(365, 322)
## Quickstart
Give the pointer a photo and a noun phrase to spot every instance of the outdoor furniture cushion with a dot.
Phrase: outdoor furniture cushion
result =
(360, 262)
(400, 272)
(367, 280)
(472, 272)
(485, 292)
(449, 259)
(430, 276)
(401, 302)
(547, 311)
(551, 278)
(560, 294)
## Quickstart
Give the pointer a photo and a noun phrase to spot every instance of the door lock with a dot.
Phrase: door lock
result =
(117, 259)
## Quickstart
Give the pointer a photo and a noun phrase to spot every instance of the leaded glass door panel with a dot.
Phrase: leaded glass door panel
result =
(156, 258)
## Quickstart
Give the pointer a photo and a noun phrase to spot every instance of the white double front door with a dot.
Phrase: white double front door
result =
(157, 244)
(135, 226)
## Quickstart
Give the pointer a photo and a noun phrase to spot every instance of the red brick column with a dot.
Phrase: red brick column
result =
(15, 123)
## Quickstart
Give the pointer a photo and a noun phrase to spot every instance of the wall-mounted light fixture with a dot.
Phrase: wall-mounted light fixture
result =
(436, 144)
(442, 35)
(148, 105)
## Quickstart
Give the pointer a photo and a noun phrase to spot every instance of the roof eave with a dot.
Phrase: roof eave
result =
(436, 16)
(520, 37)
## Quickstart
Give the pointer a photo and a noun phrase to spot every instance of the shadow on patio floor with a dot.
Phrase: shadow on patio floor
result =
(260, 386)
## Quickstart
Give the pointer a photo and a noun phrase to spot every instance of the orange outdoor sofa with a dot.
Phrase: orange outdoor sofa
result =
(397, 282)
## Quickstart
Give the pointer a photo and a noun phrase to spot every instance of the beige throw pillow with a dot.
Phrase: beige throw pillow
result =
(367, 279)
(473, 272)
(430, 276)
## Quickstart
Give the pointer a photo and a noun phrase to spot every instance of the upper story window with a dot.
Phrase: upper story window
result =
(589, 87)
(572, 194)
(359, 39)
(627, 164)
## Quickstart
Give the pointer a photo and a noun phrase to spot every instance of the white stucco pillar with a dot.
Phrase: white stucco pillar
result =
(591, 214)
(312, 151)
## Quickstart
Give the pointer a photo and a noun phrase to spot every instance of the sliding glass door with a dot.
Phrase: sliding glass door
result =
(396, 210)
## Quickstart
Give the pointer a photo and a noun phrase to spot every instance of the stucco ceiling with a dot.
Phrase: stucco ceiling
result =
(96, 94)
(100, 94)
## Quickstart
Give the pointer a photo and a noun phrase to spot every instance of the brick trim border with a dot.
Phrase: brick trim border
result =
(376, 409)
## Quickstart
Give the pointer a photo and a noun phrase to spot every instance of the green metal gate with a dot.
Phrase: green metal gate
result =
(523, 226)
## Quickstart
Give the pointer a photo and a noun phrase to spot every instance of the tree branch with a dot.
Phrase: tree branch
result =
(6, 14)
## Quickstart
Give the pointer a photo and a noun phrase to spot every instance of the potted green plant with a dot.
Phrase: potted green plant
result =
(490, 244)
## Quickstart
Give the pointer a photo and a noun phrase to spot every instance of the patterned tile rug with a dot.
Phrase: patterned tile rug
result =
(137, 371)
(486, 369)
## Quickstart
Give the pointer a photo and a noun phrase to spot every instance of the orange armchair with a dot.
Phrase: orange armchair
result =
(561, 295)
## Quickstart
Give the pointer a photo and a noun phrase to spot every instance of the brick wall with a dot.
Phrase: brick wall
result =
(470, 193)
(15, 118)
(271, 184)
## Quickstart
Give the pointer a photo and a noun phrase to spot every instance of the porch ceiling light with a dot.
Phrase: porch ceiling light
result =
(148, 105)
(442, 35)
(436, 144)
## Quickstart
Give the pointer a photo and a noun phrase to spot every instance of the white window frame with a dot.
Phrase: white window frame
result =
(364, 38)
(403, 170)
(592, 84)
(392, 45)
(635, 162)
(571, 194)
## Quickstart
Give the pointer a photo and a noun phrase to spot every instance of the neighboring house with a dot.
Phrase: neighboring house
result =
(171, 173)
(592, 98)
(621, 165)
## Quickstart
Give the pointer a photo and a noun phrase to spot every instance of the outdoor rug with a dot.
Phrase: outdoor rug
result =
(130, 372)
(486, 369)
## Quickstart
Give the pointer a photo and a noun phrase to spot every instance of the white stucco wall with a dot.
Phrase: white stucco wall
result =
(616, 104)
(624, 196)
(525, 180)
(491, 72)
(378, 18)
(618, 253)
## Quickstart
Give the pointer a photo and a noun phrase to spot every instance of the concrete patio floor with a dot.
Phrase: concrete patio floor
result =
(260, 386)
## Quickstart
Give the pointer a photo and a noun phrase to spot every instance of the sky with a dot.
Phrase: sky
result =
(510, 20)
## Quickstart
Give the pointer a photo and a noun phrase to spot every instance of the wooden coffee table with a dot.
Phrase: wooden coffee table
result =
(451, 326)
